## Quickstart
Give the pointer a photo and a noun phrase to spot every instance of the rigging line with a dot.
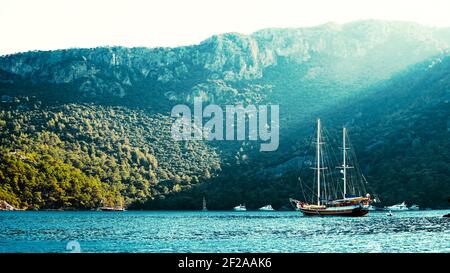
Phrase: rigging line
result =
(323, 184)
(334, 183)
(329, 162)
(350, 174)
(324, 174)
(334, 162)
(360, 173)
(301, 186)
(303, 165)
(336, 174)
(326, 163)
(311, 191)
(357, 166)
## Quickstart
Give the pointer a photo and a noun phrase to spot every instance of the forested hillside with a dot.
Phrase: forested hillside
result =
(82, 156)
(82, 128)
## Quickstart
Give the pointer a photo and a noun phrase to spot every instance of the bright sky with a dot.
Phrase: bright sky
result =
(53, 24)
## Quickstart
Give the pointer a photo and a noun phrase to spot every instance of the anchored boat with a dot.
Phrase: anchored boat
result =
(240, 208)
(326, 192)
(266, 208)
(397, 207)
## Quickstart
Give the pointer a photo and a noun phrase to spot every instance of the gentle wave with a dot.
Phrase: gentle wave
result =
(184, 231)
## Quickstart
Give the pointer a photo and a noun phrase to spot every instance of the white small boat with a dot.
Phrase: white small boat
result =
(266, 208)
(414, 207)
(240, 208)
(389, 213)
(397, 207)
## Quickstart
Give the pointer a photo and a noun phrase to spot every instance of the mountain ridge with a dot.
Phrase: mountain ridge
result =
(227, 57)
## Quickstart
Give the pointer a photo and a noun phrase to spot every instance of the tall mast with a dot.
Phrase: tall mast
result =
(344, 159)
(318, 162)
(344, 165)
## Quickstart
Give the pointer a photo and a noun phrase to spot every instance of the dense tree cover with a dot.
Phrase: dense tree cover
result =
(83, 156)
(102, 113)
(399, 129)
(117, 155)
(39, 180)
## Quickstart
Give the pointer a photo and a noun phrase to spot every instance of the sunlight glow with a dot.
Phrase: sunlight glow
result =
(52, 24)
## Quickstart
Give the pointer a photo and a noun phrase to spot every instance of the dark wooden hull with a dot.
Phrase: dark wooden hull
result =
(356, 212)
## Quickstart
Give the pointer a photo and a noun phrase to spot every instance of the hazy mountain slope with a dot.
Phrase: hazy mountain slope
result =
(322, 59)
(403, 132)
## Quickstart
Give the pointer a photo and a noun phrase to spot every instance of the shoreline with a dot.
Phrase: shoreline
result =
(190, 210)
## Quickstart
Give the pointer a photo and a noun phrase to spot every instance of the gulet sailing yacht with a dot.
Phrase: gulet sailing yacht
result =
(349, 204)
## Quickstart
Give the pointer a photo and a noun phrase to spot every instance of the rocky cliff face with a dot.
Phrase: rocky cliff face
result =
(225, 66)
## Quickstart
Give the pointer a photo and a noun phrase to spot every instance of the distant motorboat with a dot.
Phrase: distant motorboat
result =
(414, 207)
(266, 208)
(397, 207)
(240, 208)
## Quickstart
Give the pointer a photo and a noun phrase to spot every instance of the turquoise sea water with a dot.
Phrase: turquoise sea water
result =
(218, 231)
